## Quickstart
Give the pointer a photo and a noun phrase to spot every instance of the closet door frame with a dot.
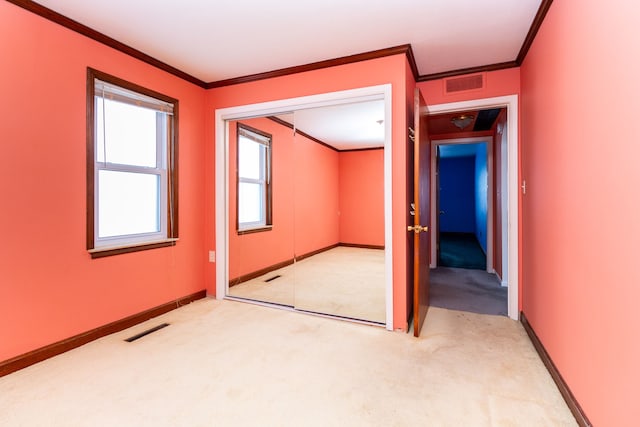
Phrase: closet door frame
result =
(222, 118)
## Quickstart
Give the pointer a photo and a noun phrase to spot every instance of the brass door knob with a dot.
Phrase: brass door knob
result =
(417, 228)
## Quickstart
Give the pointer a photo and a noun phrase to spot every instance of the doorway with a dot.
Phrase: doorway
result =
(509, 188)
(463, 275)
(463, 193)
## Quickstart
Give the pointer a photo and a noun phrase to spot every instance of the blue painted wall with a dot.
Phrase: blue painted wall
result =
(480, 184)
(457, 194)
(463, 190)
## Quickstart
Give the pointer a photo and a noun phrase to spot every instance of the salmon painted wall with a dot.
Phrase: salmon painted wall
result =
(581, 228)
(316, 196)
(50, 287)
(362, 197)
(498, 83)
(367, 73)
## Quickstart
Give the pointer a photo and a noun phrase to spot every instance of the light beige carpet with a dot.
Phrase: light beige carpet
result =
(343, 281)
(225, 363)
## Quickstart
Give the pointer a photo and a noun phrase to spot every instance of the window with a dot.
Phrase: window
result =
(132, 168)
(254, 180)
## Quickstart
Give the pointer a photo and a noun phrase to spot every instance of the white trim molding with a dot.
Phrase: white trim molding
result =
(435, 224)
(511, 103)
(223, 115)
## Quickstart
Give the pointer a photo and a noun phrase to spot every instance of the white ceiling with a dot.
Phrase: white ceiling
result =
(345, 126)
(220, 39)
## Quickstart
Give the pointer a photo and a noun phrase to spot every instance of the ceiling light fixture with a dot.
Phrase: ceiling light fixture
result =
(462, 121)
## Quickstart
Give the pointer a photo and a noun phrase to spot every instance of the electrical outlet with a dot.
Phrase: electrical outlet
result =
(212, 256)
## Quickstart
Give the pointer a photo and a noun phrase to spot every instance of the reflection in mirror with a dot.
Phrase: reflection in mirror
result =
(339, 211)
(322, 248)
(260, 211)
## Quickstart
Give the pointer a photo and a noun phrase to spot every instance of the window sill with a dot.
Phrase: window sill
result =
(117, 250)
(255, 230)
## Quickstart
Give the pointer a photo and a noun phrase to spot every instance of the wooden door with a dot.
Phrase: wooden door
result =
(437, 210)
(420, 229)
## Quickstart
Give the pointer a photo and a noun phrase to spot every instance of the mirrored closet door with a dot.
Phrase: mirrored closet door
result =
(306, 210)
(261, 211)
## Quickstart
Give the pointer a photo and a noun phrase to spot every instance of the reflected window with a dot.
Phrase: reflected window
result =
(254, 179)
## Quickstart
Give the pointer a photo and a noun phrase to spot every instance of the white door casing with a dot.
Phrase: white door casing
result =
(490, 192)
(511, 103)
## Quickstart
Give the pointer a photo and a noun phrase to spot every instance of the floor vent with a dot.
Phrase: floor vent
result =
(272, 278)
(461, 84)
(147, 332)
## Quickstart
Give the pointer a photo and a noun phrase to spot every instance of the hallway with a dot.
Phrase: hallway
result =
(461, 250)
(474, 291)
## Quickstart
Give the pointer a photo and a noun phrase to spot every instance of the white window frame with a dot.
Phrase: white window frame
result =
(102, 86)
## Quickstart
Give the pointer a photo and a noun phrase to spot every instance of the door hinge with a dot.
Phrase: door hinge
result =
(524, 186)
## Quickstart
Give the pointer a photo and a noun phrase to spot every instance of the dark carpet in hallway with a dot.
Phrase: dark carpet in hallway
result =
(461, 289)
(461, 250)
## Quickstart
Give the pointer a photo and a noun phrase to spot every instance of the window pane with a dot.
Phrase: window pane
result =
(130, 132)
(128, 203)
(249, 159)
(250, 203)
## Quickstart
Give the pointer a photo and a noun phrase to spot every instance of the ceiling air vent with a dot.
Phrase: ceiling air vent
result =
(462, 84)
